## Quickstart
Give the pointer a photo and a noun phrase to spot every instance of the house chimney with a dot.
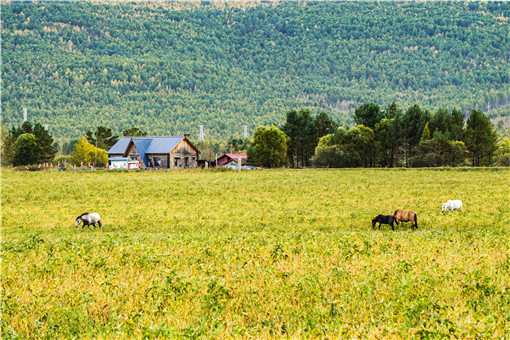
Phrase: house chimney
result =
(186, 135)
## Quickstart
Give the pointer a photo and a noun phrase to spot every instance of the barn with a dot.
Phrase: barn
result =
(157, 152)
(229, 158)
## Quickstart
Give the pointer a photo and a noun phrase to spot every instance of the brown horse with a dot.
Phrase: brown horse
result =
(406, 216)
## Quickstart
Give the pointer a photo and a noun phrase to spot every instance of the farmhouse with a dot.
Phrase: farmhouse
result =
(157, 152)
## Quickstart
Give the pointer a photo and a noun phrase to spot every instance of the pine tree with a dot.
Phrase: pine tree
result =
(103, 136)
(413, 123)
(134, 132)
(480, 139)
(45, 142)
(368, 115)
(457, 125)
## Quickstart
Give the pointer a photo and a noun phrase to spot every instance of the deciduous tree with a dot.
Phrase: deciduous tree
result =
(503, 153)
(269, 147)
(8, 149)
(26, 150)
(86, 153)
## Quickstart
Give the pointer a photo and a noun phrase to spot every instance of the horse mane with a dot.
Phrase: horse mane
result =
(83, 214)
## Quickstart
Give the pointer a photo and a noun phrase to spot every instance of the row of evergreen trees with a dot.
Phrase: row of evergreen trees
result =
(391, 137)
(382, 138)
(31, 144)
(27, 144)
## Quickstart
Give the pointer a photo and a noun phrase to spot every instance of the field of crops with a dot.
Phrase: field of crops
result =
(255, 254)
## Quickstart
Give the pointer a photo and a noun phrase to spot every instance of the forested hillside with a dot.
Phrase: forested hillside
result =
(167, 67)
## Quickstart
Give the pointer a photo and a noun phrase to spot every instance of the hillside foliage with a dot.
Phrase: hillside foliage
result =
(168, 67)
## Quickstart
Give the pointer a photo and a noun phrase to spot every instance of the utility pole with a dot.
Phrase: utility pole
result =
(25, 114)
(201, 135)
(245, 131)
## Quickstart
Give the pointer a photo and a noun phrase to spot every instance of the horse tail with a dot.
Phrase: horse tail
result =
(416, 220)
(395, 213)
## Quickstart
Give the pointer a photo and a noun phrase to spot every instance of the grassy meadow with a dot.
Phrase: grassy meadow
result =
(255, 254)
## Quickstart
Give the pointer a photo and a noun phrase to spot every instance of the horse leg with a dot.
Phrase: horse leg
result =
(392, 227)
(94, 224)
(100, 224)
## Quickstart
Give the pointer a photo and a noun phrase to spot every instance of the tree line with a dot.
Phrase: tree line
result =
(383, 138)
(27, 144)
(31, 144)
(387, 137)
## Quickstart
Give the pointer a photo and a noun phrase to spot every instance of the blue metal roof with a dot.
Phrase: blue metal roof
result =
(163, 144)
(121, 146)
(142, 145)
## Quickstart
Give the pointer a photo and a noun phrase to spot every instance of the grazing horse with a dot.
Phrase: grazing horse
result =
(384, 219)
(88, 219)
(406, 216)
(451, 205)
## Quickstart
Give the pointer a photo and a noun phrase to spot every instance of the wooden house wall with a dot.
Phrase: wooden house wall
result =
(132, 152)
(184, 148)
(165, 159)
(184, 151)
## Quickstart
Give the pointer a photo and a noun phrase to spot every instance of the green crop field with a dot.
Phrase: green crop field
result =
(255, 254)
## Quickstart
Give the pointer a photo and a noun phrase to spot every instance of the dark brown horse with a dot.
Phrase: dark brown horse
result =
(406, 216)
(384, 219)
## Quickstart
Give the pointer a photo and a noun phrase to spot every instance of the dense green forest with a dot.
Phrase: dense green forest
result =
(167, 67)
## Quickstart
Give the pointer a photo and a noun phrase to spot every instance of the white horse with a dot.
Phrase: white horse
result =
(452, 205)
(89, 219)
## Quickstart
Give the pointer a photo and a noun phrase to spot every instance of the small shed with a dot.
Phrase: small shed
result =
(115, 163)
